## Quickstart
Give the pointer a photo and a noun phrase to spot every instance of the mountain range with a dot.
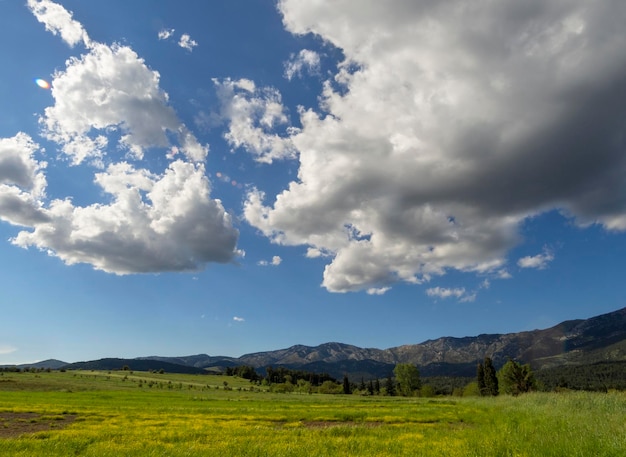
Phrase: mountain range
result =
(575, 342)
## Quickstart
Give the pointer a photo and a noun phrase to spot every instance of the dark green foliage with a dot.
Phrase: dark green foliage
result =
(600, 377)
(279, 375)
(516, 378)
(490, 378)
(390, 386)
(408, 378)
(480, 379)
(446, 385)
(346, 385)
(244, 371)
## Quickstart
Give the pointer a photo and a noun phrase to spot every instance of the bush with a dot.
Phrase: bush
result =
(427, 391)
(330, 387)
(471, 390)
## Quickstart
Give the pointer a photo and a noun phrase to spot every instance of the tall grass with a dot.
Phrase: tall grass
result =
(119, 418)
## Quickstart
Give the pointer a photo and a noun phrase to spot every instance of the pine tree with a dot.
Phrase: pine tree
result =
(490, 378)
(480, 379)
(390, 386)
(346, 385)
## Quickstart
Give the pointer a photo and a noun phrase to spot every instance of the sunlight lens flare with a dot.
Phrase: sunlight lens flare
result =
(42, 83)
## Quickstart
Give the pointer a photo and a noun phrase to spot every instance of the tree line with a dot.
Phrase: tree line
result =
(405, 380)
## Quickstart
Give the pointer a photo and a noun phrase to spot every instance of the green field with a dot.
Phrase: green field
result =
(144, 414)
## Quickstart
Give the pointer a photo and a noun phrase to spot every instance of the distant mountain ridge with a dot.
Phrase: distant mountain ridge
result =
(576, 342)
(53, 364)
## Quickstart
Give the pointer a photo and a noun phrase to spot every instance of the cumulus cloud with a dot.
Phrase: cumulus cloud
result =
(440, 135)
(539, 261)
(111, 89)
(22, 181)
(59, 21)
(238, 319)
(18, 165)
(186, 42)
(175, 227)
(253, 115)
(305, 60)
(276, 260)
(148, 221)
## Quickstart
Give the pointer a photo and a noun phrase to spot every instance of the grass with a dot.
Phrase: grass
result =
(119, 414)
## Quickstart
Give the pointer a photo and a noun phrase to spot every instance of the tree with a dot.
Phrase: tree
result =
(480, 379)
(346, 385)
(408, 378)
(330, 387)
(490, 378)
(471, 390)
(516, 378)
(390, 386)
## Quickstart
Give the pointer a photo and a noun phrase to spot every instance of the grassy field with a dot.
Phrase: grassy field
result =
(143, 414)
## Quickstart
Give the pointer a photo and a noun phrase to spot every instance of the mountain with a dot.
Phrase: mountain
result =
(53, 364)
(575, 342)
(599, 339)
(133, 364)
(198, 361)
(302, 355)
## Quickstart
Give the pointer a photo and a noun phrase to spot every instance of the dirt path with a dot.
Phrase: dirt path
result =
(13, 425)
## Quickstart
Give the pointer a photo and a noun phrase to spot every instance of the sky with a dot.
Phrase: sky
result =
(232, 177)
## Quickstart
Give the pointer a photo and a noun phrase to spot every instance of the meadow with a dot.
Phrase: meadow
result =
(84, 413)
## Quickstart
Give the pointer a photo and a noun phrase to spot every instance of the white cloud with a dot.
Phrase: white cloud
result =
(59, 21)
(186, 42)
(18, 165)
(442, 292)
(503, 274)
(238, 319)
(305, 60)
(175, 227)
(22, 181)
(314, 253)
(165, 34)
(378, 290)
(276, 260)
(445, 134)
(253, 115)
(539, 261)
(468, 297)
(462, 295)
(111, 88)
(6, 349)
(149, 221)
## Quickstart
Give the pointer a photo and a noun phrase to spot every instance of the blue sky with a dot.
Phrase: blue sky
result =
(242, 176)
